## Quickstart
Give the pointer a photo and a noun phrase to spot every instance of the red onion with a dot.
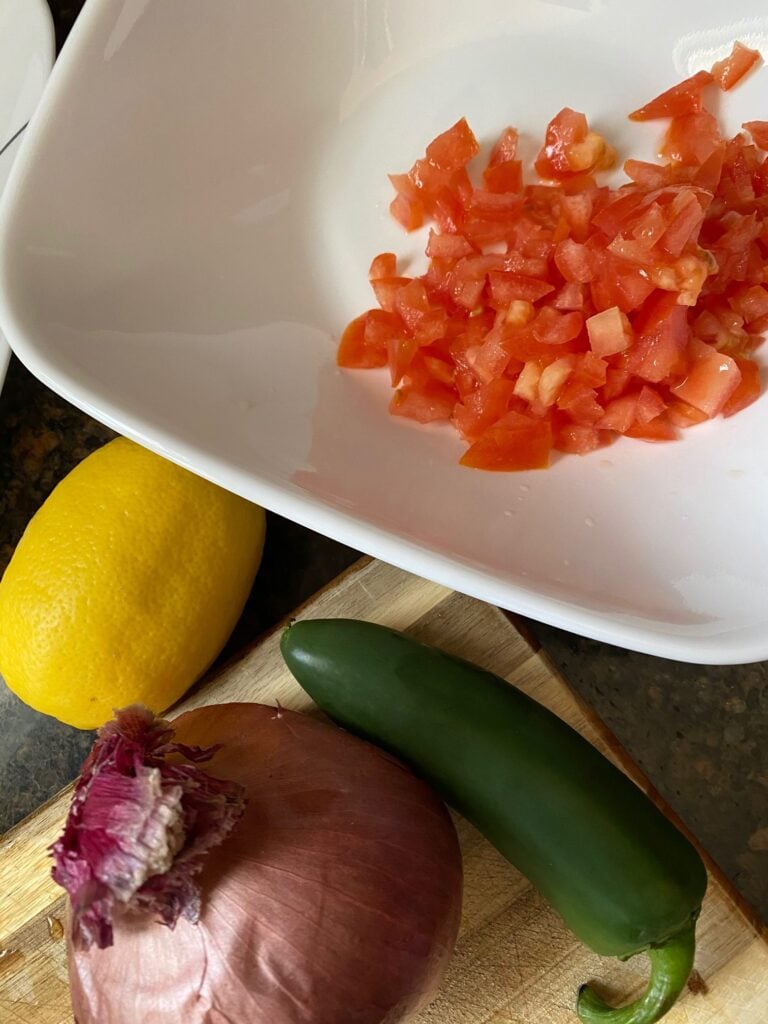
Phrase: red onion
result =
(335, 900)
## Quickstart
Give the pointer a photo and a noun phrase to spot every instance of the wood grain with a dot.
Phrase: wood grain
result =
(515, 962)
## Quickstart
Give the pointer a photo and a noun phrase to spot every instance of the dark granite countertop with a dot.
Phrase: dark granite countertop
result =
(700, 733)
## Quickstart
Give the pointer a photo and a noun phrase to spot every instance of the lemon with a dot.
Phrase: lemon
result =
(125, 586)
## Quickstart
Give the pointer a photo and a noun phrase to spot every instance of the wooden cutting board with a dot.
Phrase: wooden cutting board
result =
(515, 962)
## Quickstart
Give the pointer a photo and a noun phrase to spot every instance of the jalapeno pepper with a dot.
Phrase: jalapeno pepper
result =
(623, 878)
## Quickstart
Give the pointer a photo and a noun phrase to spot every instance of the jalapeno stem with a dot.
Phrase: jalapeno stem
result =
(671, 965)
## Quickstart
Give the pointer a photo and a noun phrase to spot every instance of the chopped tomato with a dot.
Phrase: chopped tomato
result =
(408, 212)
(711, 379)
(659, 429)
(684, 98)
(747, 390)
(662, 335)
(454, 148)
(572, 296)
(505, 177)
(383, 265)
(681, 414)
(570, 148)
(609, 332)
(426, 403)
(732, 69)
(554, 328)
(750, 303)
(386, 289)
(579, 439)
(448, 247)
(564, 314)
(505, 148)
(516, 442)
(691, 139)
(483, 407)
(759, 132)
(574, 262)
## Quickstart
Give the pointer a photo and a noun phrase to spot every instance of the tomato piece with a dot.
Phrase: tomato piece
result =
(484, 407)
(590, 370)
(662, 333)
(647, 228)
(572, 296)
(659, 429)
(490, 360)
(748, 388)
(448, 247)
(609, 332)
(516, 442)
(573, 260)
(619, 414)
(750, 303)
(438, 368)
(736, 185)
(683, 98)
(681, 414)
(735, 66)
(621, 284)
(711, 379)
(686, 276)
(616, 380)
(553, 378)
(364, 343)
(759, 132)
(554, 328)
(504, 177)
(505, 148)
(427, 403)
(441, 192)
(403, 184)
(448, 210)
(519, 313)
(591, 154)
(577, 210)
(499, 205)
(579, 438)
(506, 287)
(691, 139)
(412, 303)
(400, 353)
(527, 383)
(685, 219)
(454, 148)
(431, 327)
(650, 404)
(570, 148)
(386, 289)
(614, 214)
(648, 175)
(407, 212)
(566, 128)
(383, 265)
(521, 344)
(580, 402)
(707, 175)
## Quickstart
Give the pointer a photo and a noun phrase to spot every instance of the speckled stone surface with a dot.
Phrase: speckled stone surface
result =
(700, 734)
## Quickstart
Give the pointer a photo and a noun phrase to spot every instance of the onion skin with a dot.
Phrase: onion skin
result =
(336, 900)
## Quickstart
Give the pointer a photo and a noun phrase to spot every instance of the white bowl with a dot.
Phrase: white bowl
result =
(188, 228)
(26, 55)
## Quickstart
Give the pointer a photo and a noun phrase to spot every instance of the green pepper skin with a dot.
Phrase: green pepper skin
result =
(620, 874)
